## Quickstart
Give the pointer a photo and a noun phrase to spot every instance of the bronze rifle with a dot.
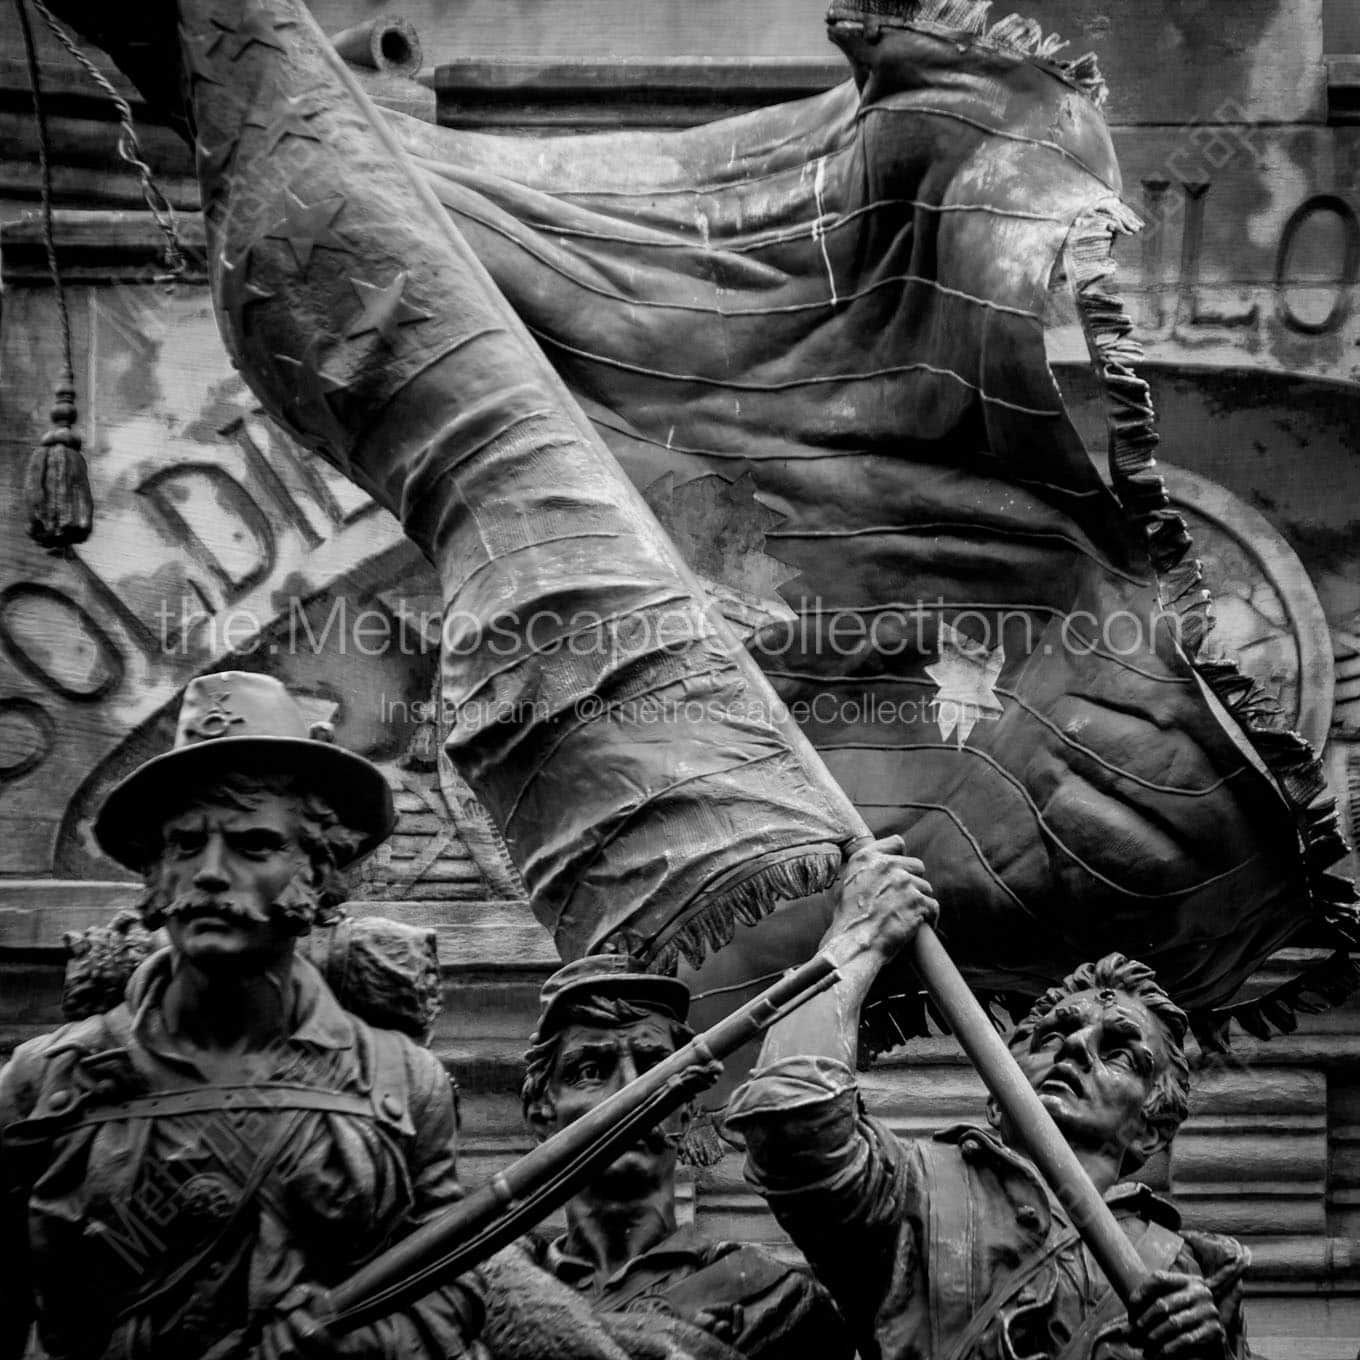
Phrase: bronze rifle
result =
(544, 1179)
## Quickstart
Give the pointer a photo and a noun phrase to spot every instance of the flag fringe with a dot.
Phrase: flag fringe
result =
(745, 897)
(1289, 758)
(1318, 988)
(888, 1022)
(703, 1143)
(1015, 34)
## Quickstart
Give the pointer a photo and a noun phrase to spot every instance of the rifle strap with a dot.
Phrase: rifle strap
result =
(387, 1099)
(273, 1096)
(246, 1196)
(1008, 1288)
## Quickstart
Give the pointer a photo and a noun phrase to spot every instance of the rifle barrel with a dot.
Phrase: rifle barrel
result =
(549, 1175)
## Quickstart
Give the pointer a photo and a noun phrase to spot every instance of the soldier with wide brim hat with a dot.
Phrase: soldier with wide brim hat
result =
(236, 722)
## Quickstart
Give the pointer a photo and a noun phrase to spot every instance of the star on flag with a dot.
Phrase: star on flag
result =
(966, 676)
(237, 293)
(287, 117)
(258, 26)
(310, 400)
(384, 308)
(212, 162)
(305, 226)
(200, 46)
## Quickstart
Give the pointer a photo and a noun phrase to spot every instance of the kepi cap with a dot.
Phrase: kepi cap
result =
(608, 975)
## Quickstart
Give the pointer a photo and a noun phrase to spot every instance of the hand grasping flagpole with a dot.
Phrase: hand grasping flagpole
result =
(362, 321)
(543, 1180)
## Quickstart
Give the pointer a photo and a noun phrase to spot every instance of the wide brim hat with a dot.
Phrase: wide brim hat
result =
(236, 722)
(616, 976)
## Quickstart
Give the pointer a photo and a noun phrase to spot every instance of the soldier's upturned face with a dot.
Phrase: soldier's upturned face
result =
(223, 869)
(1094, 1060)
(594, 1061)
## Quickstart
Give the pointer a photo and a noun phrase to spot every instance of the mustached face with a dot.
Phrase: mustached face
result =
(233, 887)
(594, 1061)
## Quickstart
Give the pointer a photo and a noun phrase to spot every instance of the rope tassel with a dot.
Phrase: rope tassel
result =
(57, 482)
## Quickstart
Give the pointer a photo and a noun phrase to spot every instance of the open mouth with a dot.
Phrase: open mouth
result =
(1063, 1079)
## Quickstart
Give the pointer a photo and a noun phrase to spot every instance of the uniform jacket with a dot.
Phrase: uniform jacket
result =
(782, 1309)
(154, 1212)
(951, 1248)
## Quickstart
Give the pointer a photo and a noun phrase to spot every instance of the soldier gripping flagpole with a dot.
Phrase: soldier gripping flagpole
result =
(362, 320)
(365, 324)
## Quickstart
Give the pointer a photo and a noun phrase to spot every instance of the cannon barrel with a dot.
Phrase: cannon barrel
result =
(390, 45)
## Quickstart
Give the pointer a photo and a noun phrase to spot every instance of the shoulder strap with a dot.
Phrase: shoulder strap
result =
(203, 1099)
(389, 1094)
(61, 1109)
(240, 1217)
(94, 1035)
(97, 1046)
(1159, 1247)
(951, 1231)
(1008, 1288)
(117, 1026)
(264, 1095)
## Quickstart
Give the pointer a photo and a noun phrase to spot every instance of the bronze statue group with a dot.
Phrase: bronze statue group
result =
(840, 303)
(189, 1172)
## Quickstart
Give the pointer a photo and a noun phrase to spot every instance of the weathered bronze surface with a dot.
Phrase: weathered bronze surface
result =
(603, 1021)
(186, 1171)
(954, 1247)
(822, 325)
(1208, 315)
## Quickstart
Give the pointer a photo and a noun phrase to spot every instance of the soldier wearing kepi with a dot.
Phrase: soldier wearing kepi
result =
(186, 1174)
(603, 1021)
(954, 1249)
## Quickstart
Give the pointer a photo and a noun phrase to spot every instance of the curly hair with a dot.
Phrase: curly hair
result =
(324, 839)
(1169, 1102)
(541, 1056)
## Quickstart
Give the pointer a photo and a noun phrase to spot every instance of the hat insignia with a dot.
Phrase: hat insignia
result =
(217, 721)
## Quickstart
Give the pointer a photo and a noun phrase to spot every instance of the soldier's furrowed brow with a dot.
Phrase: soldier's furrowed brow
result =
(652, 1051)
(258, 838)
(593, 1051)
(650, 1044)
(1069, 1015)
(1127, 1032)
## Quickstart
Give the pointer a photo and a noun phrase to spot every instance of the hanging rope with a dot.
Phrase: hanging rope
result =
(129, 145)
(57, 482)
